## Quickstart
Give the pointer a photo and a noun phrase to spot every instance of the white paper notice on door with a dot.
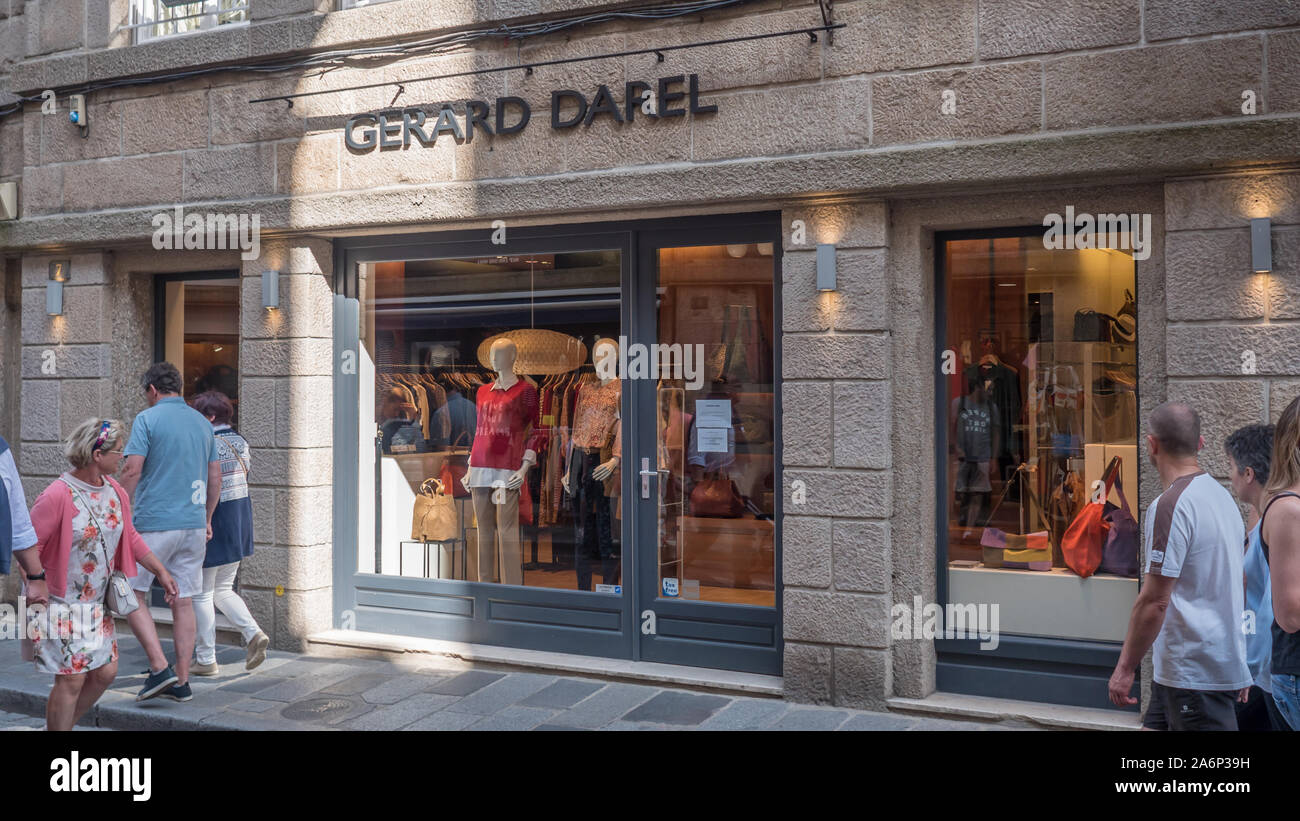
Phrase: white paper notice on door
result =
(713, 413)
(712, 440)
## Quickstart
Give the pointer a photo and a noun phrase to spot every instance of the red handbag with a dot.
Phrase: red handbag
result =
(450, 477)
(1085, 538)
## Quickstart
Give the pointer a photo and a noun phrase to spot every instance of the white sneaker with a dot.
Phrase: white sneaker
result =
(200, 669)
(257, 650)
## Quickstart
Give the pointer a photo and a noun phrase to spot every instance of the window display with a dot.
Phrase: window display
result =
(495, 391)
(494, 446)
(1041, 420)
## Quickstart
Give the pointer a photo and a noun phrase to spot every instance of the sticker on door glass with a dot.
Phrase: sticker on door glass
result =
(711, 440)
(713, 413)
(691, 589)
(616, 589)
(670, 587)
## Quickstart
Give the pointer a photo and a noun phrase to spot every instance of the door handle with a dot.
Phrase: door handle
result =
(646, 473)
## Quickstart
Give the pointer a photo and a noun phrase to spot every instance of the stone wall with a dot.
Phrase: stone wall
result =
(1233, 339)
(286, 405)
(836, 405)
(867, 112)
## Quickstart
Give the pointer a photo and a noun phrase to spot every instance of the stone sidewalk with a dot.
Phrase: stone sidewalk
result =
(296, 692)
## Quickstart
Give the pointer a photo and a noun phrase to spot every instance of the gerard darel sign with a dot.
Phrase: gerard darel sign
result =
(666, 97)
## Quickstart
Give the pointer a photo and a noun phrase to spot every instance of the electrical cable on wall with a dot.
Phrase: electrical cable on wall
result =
(442, 44)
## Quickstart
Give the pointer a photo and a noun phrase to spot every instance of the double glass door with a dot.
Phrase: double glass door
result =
(564, 443)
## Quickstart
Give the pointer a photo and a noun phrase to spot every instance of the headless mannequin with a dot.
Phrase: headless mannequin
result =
(495, 489)
(596, 424)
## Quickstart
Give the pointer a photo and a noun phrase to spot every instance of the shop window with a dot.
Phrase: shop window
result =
(440, 467)
(154, 19)
(1039, 403)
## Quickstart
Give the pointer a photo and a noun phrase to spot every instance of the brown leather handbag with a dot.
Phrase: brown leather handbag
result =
(434, 518)
(717, 498)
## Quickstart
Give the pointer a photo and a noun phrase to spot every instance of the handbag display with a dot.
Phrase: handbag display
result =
(717, 498)
(1086, 536)
(1066, 501)
(1125, 328)
(450, 476)
(1091, 326)
(1119, 555)
(1029, 551)
(435, 518)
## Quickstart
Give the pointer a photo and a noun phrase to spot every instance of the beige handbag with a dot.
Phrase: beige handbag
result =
(435, 518)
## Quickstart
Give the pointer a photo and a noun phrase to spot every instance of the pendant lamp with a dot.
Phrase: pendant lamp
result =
(539, 352)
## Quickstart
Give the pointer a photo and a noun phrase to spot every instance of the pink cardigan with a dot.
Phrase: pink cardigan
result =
(52, 517)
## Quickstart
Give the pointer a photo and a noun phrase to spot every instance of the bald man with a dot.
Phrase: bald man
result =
(1191, 601)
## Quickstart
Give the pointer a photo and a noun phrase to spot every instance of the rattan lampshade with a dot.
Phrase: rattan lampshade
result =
(540, 352)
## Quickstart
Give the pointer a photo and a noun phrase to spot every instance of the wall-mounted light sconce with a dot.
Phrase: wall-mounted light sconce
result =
(825, 267)
(60, 272)
(1261, 245)
(270, 290)
(8, 200)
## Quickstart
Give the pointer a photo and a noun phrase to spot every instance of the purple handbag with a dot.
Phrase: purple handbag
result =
(1119, 555)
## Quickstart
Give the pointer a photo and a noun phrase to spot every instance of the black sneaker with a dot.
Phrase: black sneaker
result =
(178, 692)
(157, 683)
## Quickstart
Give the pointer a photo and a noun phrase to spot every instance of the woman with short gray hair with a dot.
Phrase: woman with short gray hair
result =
(84, 534)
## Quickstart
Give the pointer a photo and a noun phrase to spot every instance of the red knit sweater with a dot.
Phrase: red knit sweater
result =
(504, 417)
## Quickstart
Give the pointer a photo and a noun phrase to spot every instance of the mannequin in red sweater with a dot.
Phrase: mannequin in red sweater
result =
(506, 441)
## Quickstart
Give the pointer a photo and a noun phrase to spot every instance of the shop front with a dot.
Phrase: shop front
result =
(759, 337)
(624, 376)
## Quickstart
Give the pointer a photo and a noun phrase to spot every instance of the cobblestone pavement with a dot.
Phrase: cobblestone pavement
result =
(295, 692)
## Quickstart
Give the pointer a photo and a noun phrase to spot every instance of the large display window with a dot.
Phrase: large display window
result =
(1039, 393)
(497, 445)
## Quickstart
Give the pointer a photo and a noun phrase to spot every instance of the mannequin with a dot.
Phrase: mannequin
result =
(505, 448)
(595, 427)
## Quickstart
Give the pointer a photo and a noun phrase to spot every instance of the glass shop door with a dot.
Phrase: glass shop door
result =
(706, 472)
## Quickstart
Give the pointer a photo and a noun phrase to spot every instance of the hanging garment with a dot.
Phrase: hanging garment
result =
(1114, 407)
(1003, 387)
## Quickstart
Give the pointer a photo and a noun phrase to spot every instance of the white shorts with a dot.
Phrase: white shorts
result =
(182, 553)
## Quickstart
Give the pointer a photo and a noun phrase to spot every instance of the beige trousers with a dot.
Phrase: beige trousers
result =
(498, 523)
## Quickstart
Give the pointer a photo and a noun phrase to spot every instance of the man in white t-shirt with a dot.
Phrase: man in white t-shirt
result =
(1191, 601)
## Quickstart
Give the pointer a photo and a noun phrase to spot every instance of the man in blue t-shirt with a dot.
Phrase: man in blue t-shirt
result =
(173, 475)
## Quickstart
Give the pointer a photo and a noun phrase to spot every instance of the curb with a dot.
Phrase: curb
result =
(159, 715)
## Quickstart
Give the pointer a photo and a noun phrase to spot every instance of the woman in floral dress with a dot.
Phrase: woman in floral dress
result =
(84, 533)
